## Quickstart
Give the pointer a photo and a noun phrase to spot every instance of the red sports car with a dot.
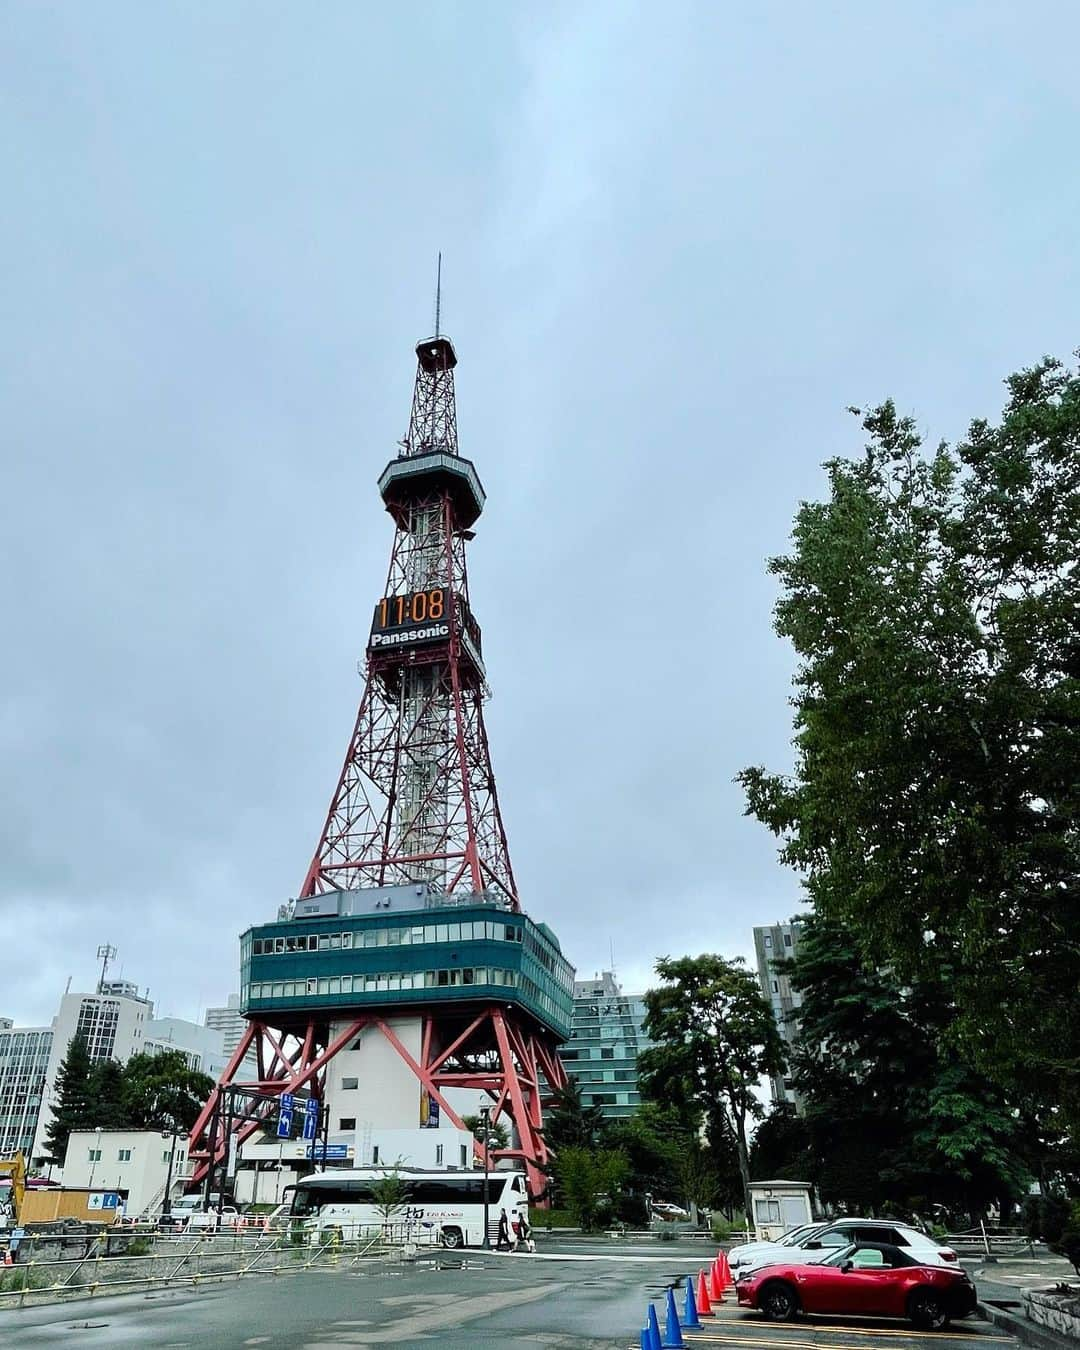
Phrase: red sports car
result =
(873, 1279)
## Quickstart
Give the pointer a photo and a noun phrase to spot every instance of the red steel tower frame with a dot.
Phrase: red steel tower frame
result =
(415, 802)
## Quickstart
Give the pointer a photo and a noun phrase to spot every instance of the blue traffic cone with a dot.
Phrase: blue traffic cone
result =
(646, 1343)
(653, 1329)
(691, 1321)
(672, 1331)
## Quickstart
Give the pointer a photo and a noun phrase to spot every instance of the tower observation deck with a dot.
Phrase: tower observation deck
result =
(406, 957)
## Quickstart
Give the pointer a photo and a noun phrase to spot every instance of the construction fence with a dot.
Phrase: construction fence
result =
(52, 1267)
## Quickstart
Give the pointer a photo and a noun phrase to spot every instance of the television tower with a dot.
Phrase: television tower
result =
(406, 961)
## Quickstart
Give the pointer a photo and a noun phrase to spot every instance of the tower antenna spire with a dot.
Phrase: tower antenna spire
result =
(438, 293)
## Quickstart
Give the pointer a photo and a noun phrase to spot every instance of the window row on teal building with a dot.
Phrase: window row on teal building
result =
(414, 934)
(384, 981)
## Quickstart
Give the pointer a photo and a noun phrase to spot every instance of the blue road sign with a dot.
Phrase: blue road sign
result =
(311, 1118)
(284, 1120)
(328, 1151)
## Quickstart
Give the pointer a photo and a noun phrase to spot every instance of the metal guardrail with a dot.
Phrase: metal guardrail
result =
(994, 1242)
(206, 1257)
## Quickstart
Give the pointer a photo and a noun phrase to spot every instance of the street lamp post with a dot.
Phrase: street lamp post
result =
(485, 1121)
(95, 1156)
(166, 1204)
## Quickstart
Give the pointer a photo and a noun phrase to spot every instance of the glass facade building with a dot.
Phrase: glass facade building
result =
(460, 953)
(606, 1037)
(24, 1061)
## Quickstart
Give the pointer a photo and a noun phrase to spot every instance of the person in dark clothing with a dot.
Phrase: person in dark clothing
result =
(524, 1234)
(502, 1242)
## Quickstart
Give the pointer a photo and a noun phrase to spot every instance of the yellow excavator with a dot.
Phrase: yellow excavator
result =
(15, 1168)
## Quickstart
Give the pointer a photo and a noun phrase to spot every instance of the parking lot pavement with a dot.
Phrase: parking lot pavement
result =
(460, 1301)
(1019, 1273)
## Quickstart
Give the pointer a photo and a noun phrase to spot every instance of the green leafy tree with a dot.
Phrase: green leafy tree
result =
(892, 1118)
(1069, 1242)
(589, 1181)
(162, 1089)
(73, 1105)
(780, 1147)
(933, 602)
(650, 1141)
(698, 1181)
(714, 1038)
(105, 1089)
(389, 1196)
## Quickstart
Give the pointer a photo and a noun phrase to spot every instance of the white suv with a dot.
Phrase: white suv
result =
(825, 1240)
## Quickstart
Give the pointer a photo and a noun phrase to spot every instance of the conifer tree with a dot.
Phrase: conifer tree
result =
(74, 1105)
(106, 1092)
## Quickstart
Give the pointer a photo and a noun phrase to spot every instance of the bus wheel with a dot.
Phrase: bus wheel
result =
(451, 1237)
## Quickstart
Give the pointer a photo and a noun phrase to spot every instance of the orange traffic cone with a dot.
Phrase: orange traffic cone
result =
(716, 1289)
(704, 1304)
(725, 1271)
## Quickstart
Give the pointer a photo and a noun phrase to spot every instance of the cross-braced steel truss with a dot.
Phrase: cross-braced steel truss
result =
(486, 1048)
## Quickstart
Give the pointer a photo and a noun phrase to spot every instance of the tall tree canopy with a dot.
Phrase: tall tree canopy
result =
(934, 603)
(73, 1108)
(893, 1119)
(713, 1039)
(162, 1089)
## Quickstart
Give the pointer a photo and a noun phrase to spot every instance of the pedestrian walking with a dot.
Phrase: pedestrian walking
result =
(524, 1234)
(502, 1242)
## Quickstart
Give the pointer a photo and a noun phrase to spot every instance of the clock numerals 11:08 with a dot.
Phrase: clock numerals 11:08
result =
(420, 607)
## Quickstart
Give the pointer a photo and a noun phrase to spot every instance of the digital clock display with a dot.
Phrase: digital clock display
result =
(411, 620)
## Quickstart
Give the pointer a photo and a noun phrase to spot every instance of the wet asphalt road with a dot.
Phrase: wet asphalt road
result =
(577, 1297)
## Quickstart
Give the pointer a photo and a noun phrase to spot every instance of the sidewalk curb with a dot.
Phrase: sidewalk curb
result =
(1024, 1329)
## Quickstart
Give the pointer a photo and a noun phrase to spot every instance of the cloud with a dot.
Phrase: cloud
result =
(676, 245)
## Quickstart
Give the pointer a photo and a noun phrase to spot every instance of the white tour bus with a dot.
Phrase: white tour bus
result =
(449, 1206)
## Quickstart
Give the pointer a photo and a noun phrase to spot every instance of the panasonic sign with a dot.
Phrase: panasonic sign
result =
(407, 637)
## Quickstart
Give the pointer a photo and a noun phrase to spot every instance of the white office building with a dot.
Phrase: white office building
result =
(232, 1024)
(201, 1046)
(775, 944)
(117, 1024)
(134, 1163)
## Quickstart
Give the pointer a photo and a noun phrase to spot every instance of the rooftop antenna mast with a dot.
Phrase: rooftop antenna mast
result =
(105, 954)
(435, 372)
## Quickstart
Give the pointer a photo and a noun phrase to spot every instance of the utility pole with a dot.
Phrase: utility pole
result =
(485, 1120)
(166, 1206)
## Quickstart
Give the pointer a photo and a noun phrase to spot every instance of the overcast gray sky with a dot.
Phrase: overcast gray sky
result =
(678, 240)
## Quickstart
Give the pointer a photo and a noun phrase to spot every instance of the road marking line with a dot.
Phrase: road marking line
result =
(576, 1256)
(844, 1331)
(840, 1329)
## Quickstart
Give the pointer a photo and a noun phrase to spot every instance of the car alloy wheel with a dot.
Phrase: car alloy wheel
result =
(778, 1303)
(927, 1311)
